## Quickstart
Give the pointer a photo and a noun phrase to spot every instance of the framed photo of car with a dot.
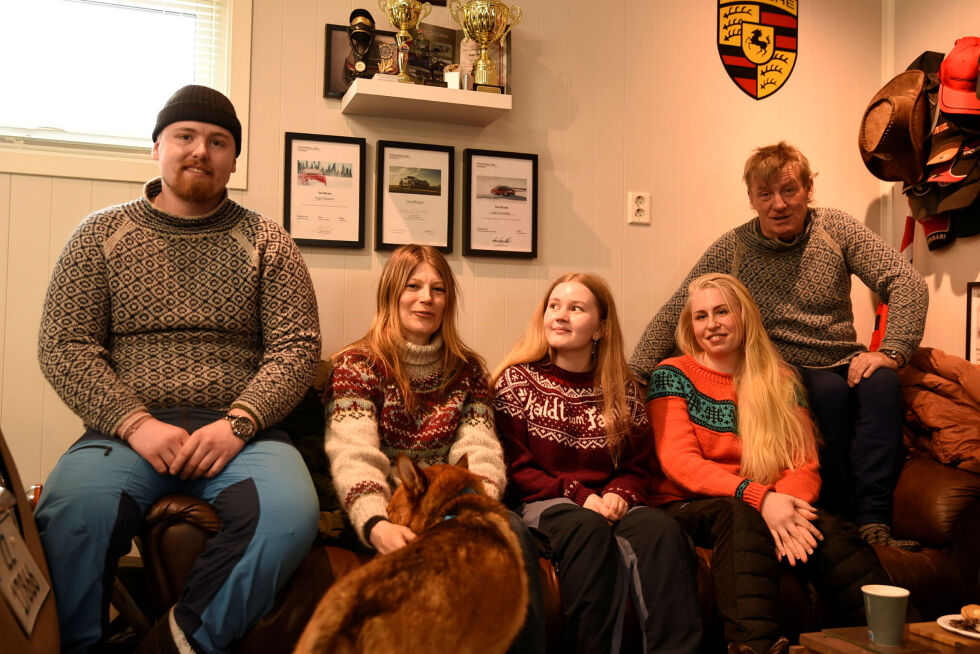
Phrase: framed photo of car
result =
(414, 195)
(500, 204)
(973, 322)
(338, 68)
(324, 190)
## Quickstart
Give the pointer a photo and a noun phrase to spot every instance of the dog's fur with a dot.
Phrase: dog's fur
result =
(460, 586)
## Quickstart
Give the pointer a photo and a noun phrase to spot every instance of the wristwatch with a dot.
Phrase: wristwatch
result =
(241, 426)
(894, 355)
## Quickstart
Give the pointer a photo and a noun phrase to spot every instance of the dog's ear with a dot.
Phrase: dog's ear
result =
(411, 475)
(463, 462)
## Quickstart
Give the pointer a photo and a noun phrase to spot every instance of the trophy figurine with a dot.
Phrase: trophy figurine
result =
(360, 33)
(485, 22)
(405, 15)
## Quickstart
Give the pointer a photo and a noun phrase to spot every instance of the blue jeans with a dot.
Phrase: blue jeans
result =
(862, 449)
(93, 505)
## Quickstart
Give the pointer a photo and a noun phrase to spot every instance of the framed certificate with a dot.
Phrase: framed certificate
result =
(324, 190)
(500, 204)
(973, 322)
(415, 195)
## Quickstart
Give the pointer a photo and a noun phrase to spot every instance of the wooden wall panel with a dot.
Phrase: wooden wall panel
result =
(4, 271)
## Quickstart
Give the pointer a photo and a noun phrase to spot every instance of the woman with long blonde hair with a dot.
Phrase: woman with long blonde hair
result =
(579, 449)
(411, 386)
(738, 467)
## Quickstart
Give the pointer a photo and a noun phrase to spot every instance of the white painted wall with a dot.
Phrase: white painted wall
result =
(614, 96)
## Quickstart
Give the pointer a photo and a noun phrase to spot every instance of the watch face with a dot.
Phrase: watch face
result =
(242, 427)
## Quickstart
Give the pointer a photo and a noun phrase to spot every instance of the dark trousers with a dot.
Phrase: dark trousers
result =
(645, 557)
(746, 572)
(531, 638)
(862, 451)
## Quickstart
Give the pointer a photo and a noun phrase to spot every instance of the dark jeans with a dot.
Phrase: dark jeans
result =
(862, 451)
(746, 572)
(531, 638)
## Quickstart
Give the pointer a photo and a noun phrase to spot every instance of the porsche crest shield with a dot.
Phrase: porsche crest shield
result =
(757, 43)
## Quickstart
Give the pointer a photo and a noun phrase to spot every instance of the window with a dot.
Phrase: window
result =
(92, 75)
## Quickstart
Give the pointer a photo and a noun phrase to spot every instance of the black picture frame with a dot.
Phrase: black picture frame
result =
(973, 322)
(417, 219)
(498, 219)
(331, 216)
(337, 51)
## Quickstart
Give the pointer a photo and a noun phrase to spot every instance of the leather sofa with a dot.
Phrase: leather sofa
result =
(935, 504)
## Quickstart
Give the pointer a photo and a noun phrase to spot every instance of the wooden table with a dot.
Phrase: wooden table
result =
(920, 637)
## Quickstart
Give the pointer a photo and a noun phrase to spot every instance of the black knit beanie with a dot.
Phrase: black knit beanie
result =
(200, 103)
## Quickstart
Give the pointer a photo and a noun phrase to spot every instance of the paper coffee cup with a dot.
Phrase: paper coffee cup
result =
(885, 607)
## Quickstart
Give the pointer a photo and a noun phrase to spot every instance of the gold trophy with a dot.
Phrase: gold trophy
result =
(405, 15)
(485, 22)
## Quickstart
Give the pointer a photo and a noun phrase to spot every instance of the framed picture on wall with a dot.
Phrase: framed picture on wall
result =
(414, 195)
(500, 204)
(973, 322)
(338, 68)
(324, 190)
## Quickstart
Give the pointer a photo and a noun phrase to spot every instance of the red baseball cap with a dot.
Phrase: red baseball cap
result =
(958, 78)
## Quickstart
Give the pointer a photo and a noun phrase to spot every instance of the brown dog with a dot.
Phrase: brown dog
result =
(459, 587)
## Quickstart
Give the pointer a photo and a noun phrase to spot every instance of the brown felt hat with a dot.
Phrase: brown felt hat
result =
(894, 129)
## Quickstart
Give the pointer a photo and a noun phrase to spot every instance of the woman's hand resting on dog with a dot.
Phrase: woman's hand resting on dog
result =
(388, 537)
(610, 506)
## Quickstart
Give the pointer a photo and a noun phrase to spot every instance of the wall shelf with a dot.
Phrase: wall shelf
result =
(371, 97)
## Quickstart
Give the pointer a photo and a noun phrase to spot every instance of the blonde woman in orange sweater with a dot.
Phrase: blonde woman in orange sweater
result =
(738, 468)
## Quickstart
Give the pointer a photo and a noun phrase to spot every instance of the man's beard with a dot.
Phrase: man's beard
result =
(192, 188)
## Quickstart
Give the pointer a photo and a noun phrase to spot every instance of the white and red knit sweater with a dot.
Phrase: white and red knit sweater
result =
(550, 424)
(368, 426)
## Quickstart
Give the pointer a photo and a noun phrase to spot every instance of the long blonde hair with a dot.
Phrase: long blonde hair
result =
(769, 390)
(612, 375)
(384, 336)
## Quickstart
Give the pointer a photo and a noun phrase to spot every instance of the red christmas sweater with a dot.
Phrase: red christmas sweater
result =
(550, 424)
(693, 413)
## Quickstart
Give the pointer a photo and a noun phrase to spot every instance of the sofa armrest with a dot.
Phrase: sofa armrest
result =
(930, 499)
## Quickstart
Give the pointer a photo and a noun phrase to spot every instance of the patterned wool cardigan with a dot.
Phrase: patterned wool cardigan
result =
(150, 310)
(803, 290)
(368, 426)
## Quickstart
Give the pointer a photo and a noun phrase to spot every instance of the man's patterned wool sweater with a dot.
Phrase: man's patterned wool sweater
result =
(149, 310)
(803, 290)
(368, 426)
(550, 423)
(694, 413)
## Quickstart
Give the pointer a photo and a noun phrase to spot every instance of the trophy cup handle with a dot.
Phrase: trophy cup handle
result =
(456, 11)
(426, 9)
(516, 14)
(382, 5)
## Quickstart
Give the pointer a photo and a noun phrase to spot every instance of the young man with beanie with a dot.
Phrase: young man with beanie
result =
(181, 327)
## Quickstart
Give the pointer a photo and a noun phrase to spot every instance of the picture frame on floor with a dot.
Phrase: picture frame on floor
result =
(323, 202)
(973, 322)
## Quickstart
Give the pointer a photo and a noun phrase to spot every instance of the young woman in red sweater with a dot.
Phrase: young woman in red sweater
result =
(578, 448)
(738, 468)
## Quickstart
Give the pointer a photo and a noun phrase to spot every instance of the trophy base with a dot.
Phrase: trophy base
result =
(488, 88)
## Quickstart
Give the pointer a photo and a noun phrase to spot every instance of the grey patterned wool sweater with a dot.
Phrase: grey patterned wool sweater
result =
(150, 310)
(803, 289)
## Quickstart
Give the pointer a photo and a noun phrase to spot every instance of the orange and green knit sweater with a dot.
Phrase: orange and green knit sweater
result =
(693, 411)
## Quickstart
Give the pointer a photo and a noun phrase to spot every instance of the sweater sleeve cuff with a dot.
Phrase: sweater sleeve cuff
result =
(577, 493)
(752, 492)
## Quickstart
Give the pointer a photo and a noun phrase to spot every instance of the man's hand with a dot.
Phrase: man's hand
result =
(388, 537)
(616, 504)
(158, 443)
(207, 451)
(864, 364)
(789, 521)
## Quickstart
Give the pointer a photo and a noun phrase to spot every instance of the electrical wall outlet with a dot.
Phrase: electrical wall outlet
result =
(638, 208)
